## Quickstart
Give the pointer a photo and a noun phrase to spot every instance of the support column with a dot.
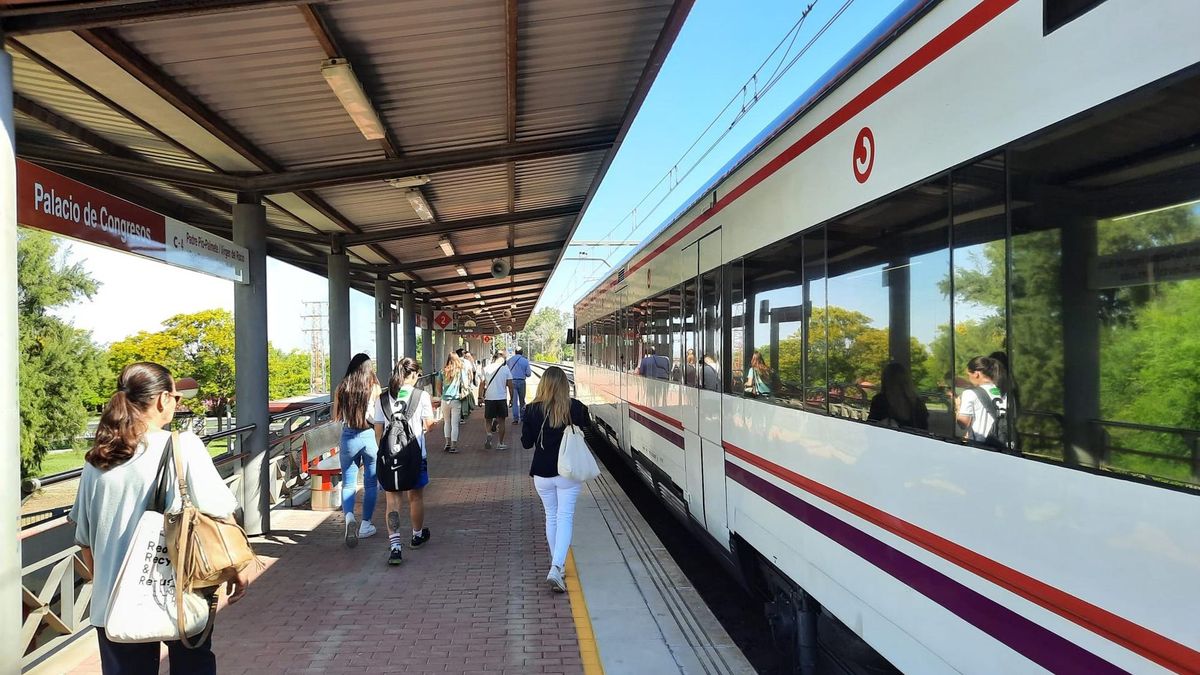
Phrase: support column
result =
(250, 350)
(897, 280)
(1081, 344)
(339, 314)
(408, 324)
(427, 353)
(383, 328)
(10, 421)
(397, 346)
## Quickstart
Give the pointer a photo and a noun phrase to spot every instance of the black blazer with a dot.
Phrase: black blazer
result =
(545, 454)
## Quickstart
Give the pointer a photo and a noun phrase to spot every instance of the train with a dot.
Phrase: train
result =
(1010, 179)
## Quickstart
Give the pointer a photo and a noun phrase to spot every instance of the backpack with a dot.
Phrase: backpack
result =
(999, 436)
(452, 391)
(398, 466)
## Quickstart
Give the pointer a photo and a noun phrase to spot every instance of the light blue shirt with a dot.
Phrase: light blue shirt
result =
(518, 366)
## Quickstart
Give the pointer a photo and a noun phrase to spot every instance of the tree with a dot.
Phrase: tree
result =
(60, 371)
(288, 372)
(547, 330)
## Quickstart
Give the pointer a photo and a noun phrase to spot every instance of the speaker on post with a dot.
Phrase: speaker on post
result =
(500, 268)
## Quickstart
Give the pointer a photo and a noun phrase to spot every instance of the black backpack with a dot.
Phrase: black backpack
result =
(398, 466)
(1000, 435)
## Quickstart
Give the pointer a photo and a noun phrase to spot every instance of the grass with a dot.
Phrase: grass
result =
(59, 462)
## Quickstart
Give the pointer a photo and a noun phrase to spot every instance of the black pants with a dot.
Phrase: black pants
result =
(141, 658)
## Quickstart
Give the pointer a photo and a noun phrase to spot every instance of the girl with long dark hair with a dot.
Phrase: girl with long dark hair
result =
(116, 488)
(353, 402)
(898, 401)
(545, 420)
(988, 378)
(758, 377)
(400, 391)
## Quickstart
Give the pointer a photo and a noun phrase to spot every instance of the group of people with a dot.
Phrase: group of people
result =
(465, 383)
(545, 419)
(122, 474)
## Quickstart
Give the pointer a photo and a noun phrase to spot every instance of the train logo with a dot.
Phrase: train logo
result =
(864, 155)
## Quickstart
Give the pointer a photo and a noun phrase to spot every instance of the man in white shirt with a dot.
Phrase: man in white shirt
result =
(495, 387)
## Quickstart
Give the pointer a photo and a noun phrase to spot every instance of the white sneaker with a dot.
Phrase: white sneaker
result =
(555, 577)
(366, 529)
(502, 447)
(351, 531)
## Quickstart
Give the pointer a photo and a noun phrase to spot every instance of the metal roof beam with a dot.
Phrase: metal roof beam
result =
(120, 166)
(472, 257)
(432, 162)
(462, 225)
(454, 296)
(83, 15)
(537, 269)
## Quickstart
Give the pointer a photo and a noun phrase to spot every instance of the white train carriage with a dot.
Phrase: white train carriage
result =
(978, 176)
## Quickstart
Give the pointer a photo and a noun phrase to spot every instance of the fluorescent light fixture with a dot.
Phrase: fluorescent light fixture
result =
(478, 296)
(447, 247)
(471, 285)
(409, 181)
(417, 201)
(462, 271)
(349, 91)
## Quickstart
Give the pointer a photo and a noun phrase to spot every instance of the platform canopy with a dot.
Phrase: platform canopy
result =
(426, 138)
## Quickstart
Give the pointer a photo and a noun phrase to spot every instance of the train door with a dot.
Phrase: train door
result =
(706, 463)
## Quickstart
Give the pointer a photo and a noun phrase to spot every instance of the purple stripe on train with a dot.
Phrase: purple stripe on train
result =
(1037, 643)
(657, 428)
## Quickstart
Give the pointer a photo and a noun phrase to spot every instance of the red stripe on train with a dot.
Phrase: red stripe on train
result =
(1143, 641)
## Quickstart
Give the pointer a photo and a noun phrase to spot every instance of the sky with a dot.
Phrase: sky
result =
(721, 45)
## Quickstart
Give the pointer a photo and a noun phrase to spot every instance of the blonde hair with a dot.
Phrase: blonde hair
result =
(554, 393)
(453, 367)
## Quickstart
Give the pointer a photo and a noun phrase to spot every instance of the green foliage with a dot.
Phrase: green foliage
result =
(288, 372)
(60, 371)
(546, 332)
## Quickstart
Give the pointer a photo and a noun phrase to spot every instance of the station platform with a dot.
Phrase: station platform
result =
(472, 600)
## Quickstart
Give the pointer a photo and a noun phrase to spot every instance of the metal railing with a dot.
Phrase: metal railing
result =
(57, 589)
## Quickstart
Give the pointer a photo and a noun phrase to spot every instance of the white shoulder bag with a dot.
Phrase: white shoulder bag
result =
(575, 460)
(142, 607)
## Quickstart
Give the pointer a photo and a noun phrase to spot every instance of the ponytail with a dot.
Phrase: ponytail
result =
(404, 368)
(995, 371)
(124, 418)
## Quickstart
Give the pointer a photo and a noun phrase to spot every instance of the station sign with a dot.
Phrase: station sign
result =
(1176, 262)
(443, 319)
(52, 202)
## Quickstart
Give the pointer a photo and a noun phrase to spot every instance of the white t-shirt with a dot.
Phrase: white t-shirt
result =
(981, 421)
(110, 503)
(423, 412)
(497, 390)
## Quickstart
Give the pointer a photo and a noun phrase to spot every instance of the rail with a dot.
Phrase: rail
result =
(57, 590)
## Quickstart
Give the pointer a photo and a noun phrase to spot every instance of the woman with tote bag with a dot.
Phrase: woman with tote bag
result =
(546, 420)
(118, 483)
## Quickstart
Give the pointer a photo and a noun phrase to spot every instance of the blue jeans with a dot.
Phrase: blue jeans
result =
(358, 446)
(518, 399)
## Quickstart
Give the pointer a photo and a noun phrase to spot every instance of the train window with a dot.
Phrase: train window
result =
(1105, 286)
(654, 336)
(774, 324)
(739, 358)
(888, 311)
(815, 326)
(688, 364)
(711, 305)
(980, 309)
(1058, 13)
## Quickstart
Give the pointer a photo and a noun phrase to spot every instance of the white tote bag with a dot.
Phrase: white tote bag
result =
(575, 460)
(143, 604)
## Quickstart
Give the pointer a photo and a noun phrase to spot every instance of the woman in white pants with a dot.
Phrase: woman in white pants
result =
(544, 421)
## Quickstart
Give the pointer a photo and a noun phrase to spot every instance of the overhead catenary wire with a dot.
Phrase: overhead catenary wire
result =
(782, 65)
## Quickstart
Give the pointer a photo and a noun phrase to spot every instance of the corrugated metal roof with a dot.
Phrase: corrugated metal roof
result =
(249, 82)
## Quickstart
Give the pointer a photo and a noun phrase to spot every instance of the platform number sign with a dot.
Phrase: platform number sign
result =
(487, 339)
(443, 319)
(864, 155)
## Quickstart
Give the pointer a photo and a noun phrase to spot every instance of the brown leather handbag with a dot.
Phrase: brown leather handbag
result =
(204, 551)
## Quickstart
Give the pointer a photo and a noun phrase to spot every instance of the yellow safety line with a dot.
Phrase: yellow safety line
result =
(589, 652)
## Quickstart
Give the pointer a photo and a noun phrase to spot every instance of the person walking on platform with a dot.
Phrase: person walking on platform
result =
(117, 485)
(402, 398)
(352, 404)
(454, 388)
(548, 415)
(494, 390)
(518, 367)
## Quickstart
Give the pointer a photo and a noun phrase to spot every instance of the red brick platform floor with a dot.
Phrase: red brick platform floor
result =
(472, 600)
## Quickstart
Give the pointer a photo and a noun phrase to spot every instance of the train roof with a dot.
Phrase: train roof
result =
(889, 28)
